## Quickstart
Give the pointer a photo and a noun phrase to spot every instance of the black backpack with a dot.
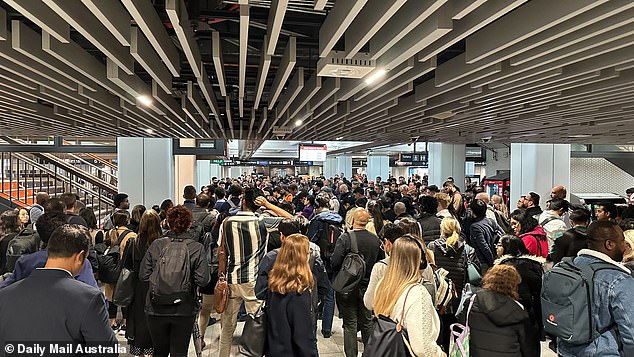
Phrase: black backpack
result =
(25, 242)
(352, 269)
(171, 279)
(108, 262)
(388, 338)
(327, 236)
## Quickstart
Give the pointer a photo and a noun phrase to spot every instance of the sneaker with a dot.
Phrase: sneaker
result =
(326, 333)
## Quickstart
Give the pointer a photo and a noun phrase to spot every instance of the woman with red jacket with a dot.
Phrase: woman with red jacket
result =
(531, 233)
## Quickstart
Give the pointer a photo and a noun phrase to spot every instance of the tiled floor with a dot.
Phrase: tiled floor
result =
(328, 347)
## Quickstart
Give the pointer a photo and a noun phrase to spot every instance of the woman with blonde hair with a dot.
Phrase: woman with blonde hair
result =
(401, 297)
(628, 257)
(499, 324)
(443, 205)
(500, 206)
(288, 304)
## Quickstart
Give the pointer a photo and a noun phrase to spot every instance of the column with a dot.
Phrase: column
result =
(539, 167)
(378, 166)
(330, 167)
(205, 171)
(446, 160)
(146, 169)
(185, 173)
(344, 165)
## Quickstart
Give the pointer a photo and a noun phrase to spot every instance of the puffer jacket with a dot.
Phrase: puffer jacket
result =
(536, 242)
(199, 271)
(430, 225)
(531, 270)
(499, 327)
(454, 260)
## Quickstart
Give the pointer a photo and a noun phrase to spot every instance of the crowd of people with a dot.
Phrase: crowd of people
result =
(422, 257)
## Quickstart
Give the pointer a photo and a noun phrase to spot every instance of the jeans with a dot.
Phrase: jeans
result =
(355, 318)
(328, 311)
(238, 293)
(170, 334)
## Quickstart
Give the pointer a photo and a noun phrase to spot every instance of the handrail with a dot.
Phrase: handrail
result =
(102, 160)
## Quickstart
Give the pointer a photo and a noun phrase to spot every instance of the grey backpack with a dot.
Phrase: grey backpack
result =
(171, 280)
(567, 294)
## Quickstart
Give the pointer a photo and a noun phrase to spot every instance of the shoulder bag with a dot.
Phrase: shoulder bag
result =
(254, 333)
(460, 336)
(473, 275)
(221, 291)
(124, 290)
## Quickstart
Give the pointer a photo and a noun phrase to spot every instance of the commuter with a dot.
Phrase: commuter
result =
(500, 206)
(38, 207)
(117, 239)
(628, 256)
(490, 213)
(166, 205)
(298, 197)
(390, 233)
(558, 192)
(189, 194)
(443, 205)
(400, 296)
(574, 239)
(359, 203)
(201, 214)
(26, 264)
(308, 204)
(607, 212)
(354, 314)
(135, 218)
(552, 220)
(400, 211)
(498, 323)
(96, 234)
(612, 315)
(324, 230)
(137, 332)
(121, 203)
(232, 202)
(69, 311)
(483, 235)
(512, 251)
(289, 301)
(244, 252)
(532, 234)
(430, 224)
(451, 253)
(377, 221)
(457, 205)
(23, 217)
(219, 193)
(171, 305)
(70, 203)
(9, 229)
(531, 203)
(388, 209)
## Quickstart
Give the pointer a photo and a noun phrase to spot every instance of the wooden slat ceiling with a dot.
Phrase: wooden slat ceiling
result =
(454, 70)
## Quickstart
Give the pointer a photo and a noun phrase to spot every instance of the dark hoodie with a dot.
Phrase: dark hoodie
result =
(499, 327)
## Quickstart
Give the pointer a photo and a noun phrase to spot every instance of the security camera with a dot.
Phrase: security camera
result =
(486, 139)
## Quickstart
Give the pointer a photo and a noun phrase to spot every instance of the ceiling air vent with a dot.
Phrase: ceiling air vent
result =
(336, 65)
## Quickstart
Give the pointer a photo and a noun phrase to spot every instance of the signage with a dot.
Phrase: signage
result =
(282, 130)
(411, 159)
(312, 152)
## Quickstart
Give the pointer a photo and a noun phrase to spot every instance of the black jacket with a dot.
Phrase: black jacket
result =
(67, 311)
(499, 327)
(288, 333)
(454, 260)
(483, 236)
(530, 289)
(431, 227)
(199, 273)
(369, 247)
(203, 217)
(569, 244)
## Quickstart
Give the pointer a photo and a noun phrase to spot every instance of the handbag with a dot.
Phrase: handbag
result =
(254, 333)
(473, 274)
(123, 294)
(461, 336)
(221, 291)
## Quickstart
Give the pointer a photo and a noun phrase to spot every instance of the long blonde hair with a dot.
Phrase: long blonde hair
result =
(402, 271)
(450, 230)
(629, 239)
(291, 271)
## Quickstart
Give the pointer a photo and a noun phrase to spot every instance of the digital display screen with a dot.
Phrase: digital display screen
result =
(312, 152)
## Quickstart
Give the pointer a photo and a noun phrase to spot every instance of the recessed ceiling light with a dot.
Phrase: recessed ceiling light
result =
(149, 131)
(580, 136)
(145, 100)
(375, 75)
(298, 122)
(339, 138)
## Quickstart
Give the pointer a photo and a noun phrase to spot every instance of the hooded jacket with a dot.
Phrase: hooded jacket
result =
(531, 270)
(499, 327)
(554, 226)
(318, 227)
(536, 242)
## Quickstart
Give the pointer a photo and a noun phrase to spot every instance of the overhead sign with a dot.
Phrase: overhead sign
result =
(312, 152)
(282, 130)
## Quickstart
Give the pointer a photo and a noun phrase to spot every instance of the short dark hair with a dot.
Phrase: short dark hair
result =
(250, 194)
(48, 222)
(526, 221)
(513, 245)
(428, 204)
(219, 192)
(610, 208)
(189, 192)
(600, 231)
(433, 188)
(359, 190)
(629, 191)
(235, 190)
(628, 212)
(557, 204)
(292, 187)
(203, 200)
(479, 208)
(67, 240)
(289, 226)
(69, 199)
(121, 218)
(580, 215)
(179, 219)
(533, 197)
(322, 201)
(89, 216)
(119, 198)
(287, 206)
(361, 202)
(392, 231)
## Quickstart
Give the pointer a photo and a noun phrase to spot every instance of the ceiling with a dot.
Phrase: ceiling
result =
(446, 70)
